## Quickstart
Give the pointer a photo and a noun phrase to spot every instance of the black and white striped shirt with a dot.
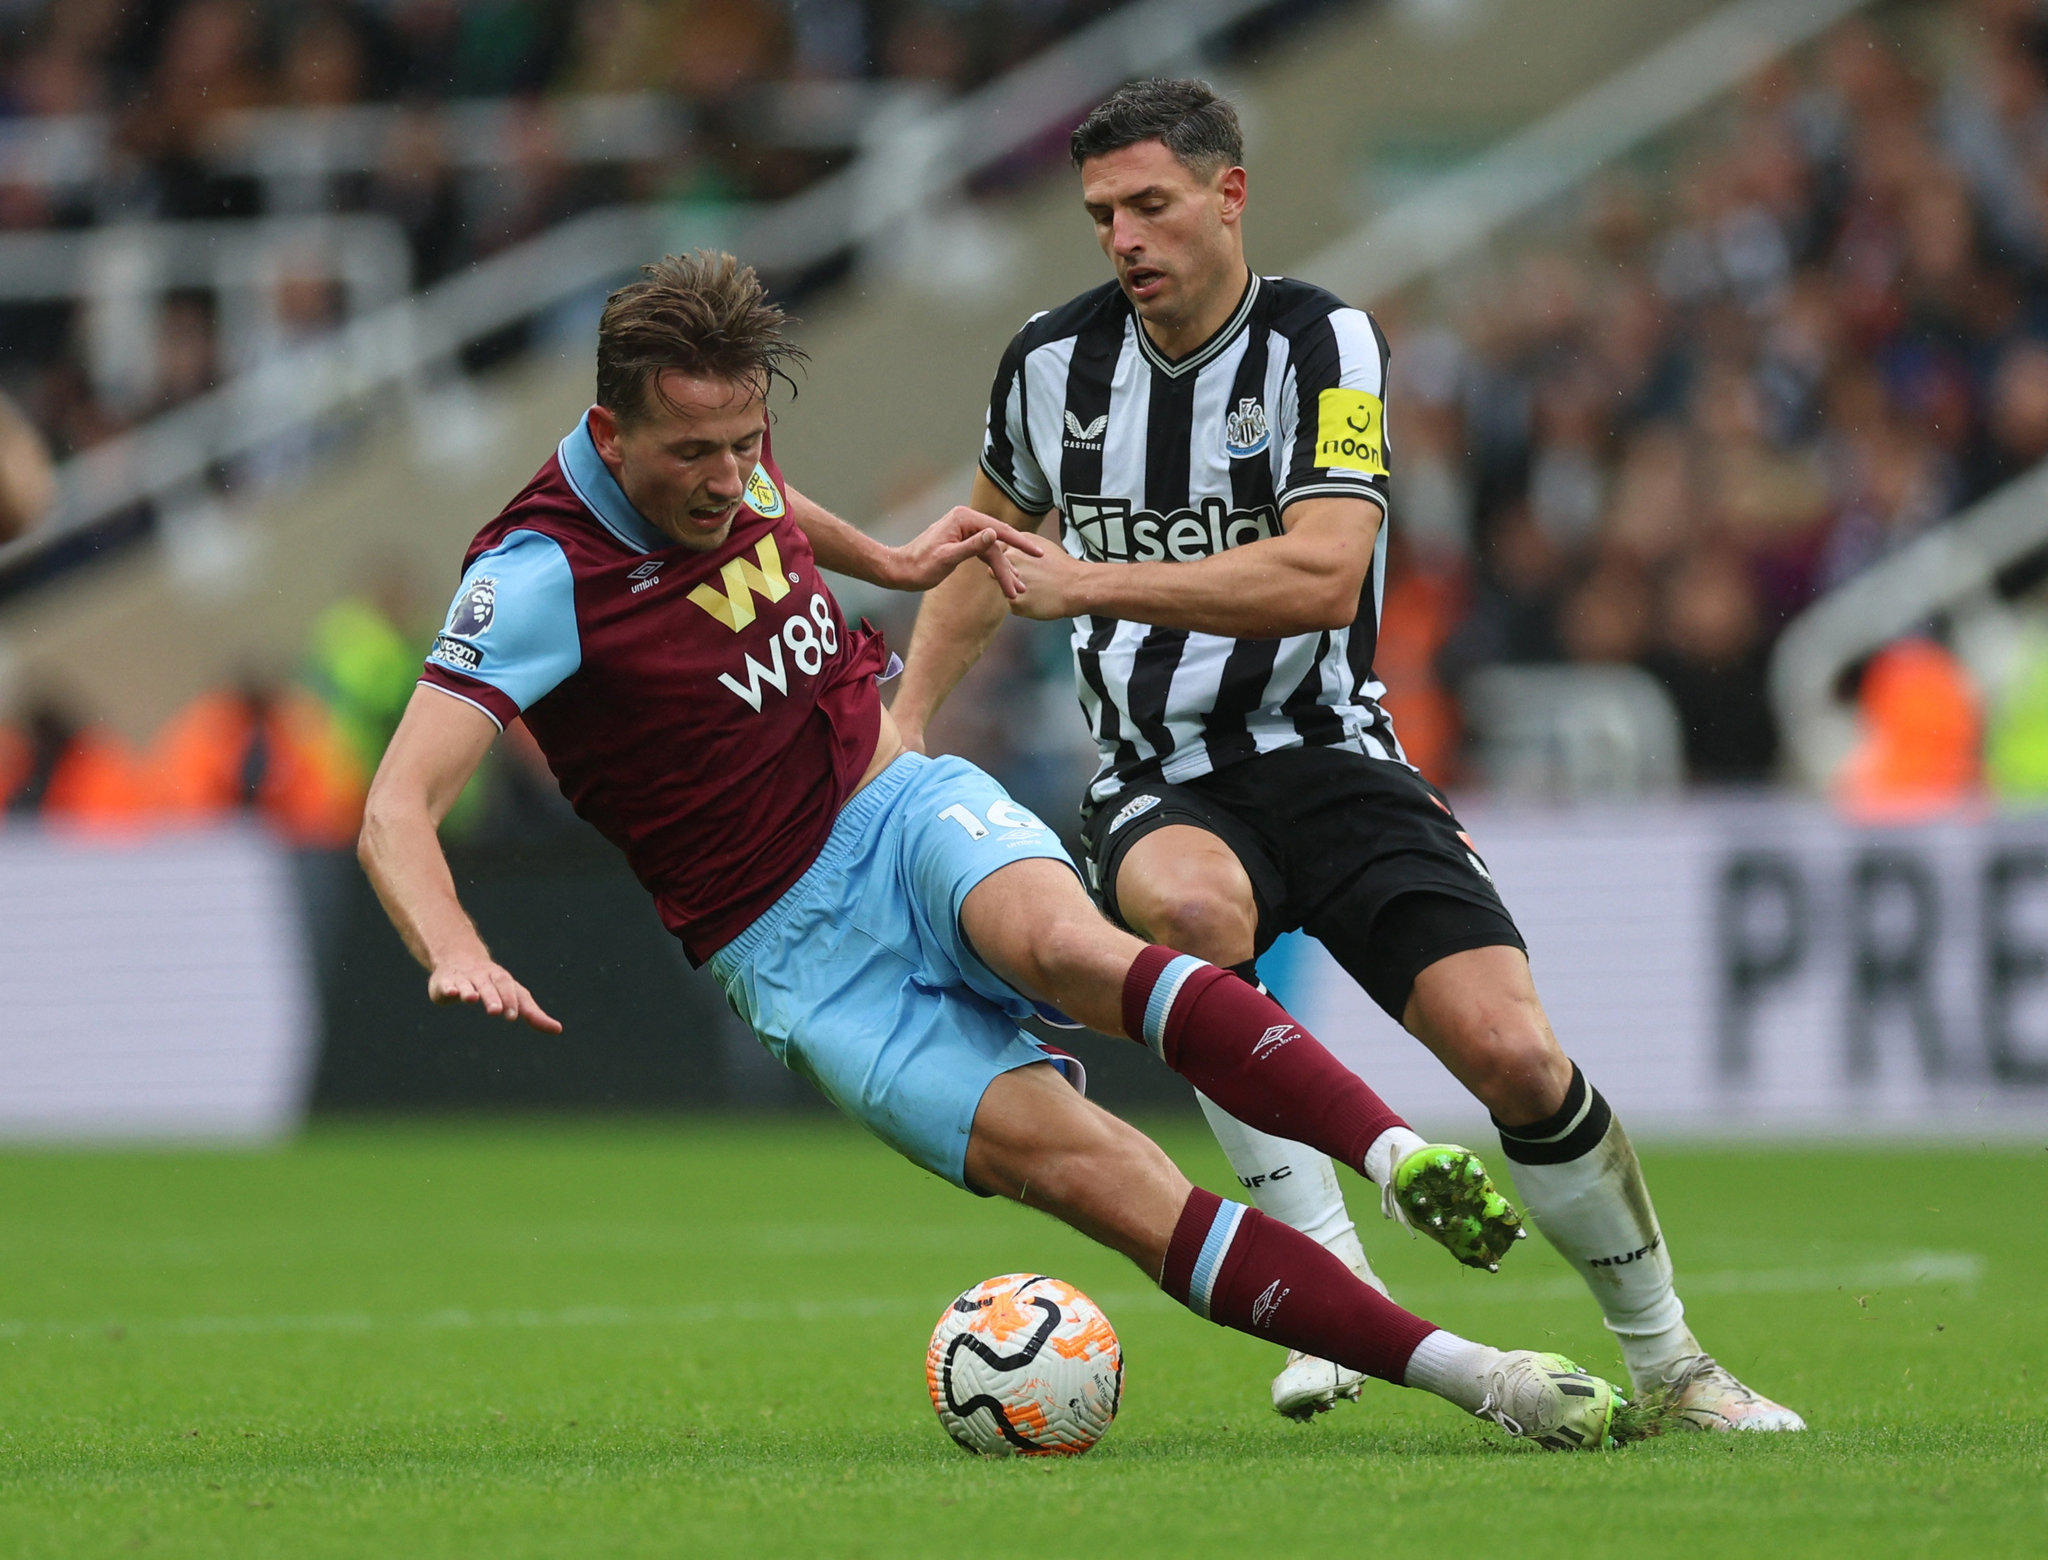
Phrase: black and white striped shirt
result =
(1150, 459)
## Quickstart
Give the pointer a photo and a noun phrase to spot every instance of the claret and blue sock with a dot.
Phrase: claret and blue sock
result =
(1235, 1266)
(1242, 1269)
(1243, 1050)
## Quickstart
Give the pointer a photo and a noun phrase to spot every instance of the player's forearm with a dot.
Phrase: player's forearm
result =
(401, 854)
(955, 623)
(1302, 582)
(1264, 591)
(841, 547)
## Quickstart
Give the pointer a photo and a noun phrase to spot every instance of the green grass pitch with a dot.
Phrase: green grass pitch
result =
(705, 1338)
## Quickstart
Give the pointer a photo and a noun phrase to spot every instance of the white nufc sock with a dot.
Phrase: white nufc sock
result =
(1293, 1183)
(1582, 1187)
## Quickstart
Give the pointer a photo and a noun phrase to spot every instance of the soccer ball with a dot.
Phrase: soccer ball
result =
(1027, 1365)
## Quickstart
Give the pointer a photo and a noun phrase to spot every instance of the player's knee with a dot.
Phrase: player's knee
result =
(1511, 1061)
(1073, 952)
(1197, 919)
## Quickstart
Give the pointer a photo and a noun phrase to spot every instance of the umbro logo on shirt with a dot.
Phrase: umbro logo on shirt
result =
(649, 573)
(1088, 436)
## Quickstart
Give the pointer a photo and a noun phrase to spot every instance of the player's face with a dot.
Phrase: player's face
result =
(1172, 235)
(685, 459)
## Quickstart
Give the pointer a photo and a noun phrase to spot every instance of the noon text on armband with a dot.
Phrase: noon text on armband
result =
(1112, 532)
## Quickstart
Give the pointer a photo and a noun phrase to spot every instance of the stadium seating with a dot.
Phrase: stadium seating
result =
(378, 500)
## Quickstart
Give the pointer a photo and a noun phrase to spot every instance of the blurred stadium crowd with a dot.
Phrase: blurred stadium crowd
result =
(294, 754)
(1645, 431)
(471, 124)
(1655, 430)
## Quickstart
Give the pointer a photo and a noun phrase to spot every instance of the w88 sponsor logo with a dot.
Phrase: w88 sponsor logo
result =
(808, 637)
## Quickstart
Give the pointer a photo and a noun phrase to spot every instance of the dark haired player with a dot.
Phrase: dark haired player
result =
(652, 607)
(1215, 443)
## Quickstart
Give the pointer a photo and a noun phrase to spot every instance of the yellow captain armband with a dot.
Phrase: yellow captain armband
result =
(1350, 428)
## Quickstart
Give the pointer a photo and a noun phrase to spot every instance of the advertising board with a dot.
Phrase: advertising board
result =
(1755, 966)
(151, 988)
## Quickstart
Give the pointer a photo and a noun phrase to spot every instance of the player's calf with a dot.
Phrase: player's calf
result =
(1038, 1142)
(1478, 1011)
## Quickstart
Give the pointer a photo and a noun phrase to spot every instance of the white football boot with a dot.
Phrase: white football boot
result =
(1547, 1399)
(1703, 1395)
(1309, 1386)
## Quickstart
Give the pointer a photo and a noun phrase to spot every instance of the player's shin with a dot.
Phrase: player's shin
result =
(1244, 1270)
(1583, 1188)
(1293, 1183)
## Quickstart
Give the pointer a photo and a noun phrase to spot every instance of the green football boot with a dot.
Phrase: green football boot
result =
(1444, 1192)
(1547, 1399)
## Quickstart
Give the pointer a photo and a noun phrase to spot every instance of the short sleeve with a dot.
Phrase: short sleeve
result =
(1006, 453)
(1333, 421)
(511, 637)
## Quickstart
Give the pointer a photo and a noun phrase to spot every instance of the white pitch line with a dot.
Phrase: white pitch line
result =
(1965, 1268)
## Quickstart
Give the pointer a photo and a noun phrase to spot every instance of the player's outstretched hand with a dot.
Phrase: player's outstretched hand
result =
(492, 987)
(1049, 583)
(961, 534)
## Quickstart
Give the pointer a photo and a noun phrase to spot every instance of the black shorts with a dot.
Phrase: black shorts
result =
(1362, 853)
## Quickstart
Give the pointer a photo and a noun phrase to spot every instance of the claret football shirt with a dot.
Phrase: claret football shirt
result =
(709, 712)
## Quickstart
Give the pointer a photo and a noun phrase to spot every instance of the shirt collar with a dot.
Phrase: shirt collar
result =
(593, 482)
(1207, 352)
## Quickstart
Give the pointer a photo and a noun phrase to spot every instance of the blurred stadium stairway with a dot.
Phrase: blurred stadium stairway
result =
(1344, 111)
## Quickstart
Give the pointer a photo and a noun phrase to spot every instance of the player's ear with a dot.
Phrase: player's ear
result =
(1231, 186)
(604, 433)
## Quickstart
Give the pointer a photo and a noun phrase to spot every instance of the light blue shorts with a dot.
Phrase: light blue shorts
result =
(860, 977)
